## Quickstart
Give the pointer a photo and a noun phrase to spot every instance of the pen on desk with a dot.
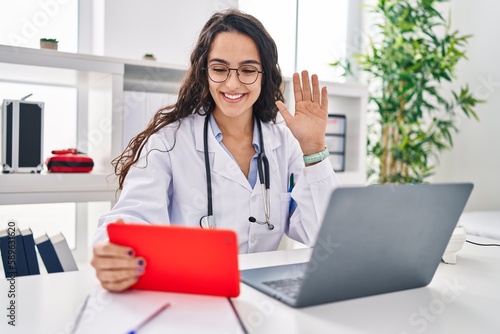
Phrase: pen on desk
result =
(292, 205)
(79, 316)
(148, 319)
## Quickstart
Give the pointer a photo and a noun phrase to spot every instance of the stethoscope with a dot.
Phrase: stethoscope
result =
(208, 221)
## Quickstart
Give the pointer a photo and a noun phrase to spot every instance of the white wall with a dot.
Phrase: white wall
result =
(310, 40)
(168, 29)
(476, 154)
(23, 23)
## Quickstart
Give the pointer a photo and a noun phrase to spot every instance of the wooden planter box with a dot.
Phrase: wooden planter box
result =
(48, 45)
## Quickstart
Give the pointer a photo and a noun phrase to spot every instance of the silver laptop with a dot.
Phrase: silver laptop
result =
(373, 240)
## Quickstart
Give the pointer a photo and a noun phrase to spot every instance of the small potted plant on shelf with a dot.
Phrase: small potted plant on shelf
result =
(48, 43)
(149, 56)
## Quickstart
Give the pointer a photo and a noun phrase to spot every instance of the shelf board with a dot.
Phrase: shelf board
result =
(59, 60)
(352, 90)
(151, 77)
(30, 65)
(56, 188)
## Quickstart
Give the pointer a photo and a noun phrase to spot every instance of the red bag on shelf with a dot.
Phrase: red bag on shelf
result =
(69, 161)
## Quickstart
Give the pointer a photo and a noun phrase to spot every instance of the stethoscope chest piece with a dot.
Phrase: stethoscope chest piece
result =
(207, 222)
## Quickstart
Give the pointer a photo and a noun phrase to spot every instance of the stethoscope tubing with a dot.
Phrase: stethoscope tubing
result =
(207, 167)
(263, 167)
(263, 171)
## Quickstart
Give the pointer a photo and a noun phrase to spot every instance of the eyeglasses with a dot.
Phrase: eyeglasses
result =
(247, 74)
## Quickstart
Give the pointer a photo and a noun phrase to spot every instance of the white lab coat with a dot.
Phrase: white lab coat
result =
(168, 186)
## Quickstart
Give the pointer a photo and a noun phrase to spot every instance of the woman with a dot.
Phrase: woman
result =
(211, 144)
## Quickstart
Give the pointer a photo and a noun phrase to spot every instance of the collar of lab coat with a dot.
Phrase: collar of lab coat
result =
(223, 164)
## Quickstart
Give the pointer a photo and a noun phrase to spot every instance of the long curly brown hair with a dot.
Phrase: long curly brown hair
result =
(194, 95)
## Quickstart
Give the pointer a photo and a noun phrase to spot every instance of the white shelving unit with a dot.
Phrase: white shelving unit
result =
(351, 100)
(100, 82)
(105, 105)
(55, 188)
(99, 85)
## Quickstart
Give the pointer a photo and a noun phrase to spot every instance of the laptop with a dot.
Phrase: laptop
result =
(183, 259)
(373, 240)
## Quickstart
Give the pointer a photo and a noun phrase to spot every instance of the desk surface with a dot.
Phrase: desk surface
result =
(462, 298)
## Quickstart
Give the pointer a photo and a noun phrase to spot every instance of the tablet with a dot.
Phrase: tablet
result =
(183, 259)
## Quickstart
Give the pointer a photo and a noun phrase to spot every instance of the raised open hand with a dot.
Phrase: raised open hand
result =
(308, 124)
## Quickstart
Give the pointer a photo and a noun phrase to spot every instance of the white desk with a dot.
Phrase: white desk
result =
(462, 298)
(482, 223)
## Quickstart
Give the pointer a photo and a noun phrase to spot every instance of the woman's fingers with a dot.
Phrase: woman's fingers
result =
(118, 286)
(118, 275)
(113, 250)
(284, 112)
(301, 89)
(324, 99)
(306, 87)
(304, 92)
(316, 97)
(116, 266)
(118, 278)
(114, 263)
(297, 89)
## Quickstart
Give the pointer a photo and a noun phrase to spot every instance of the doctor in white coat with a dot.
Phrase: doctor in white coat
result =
(220, 158)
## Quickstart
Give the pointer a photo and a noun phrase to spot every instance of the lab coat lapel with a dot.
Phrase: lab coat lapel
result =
(220, 161)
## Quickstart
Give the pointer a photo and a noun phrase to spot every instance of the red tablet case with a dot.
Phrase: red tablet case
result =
(183, 259)
(69, 161)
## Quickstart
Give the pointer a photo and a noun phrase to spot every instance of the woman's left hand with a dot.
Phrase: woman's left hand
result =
(308, 125)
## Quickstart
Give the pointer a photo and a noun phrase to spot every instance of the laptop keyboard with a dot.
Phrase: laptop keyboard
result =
(287, 286)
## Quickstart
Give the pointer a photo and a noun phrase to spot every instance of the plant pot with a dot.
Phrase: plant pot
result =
(48, 45)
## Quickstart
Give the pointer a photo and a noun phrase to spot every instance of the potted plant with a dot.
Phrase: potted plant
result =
(149, 56)
(48, 43)
(409, 66)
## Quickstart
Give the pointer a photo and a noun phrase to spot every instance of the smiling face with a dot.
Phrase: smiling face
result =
(232, 98)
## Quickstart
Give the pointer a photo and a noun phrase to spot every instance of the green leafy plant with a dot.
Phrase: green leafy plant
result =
(149, 56)
(52, 40)
(410, 59)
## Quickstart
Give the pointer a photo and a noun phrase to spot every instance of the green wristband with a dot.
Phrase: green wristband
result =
(316, 157)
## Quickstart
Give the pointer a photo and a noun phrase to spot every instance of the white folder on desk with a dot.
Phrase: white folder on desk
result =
(107, 312)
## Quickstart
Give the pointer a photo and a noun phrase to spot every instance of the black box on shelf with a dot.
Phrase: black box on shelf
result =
(335, 140)
(22, 136)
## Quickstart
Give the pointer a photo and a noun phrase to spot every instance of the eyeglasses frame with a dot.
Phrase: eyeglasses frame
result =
(229, 72)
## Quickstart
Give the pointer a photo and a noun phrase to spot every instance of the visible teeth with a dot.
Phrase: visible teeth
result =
(233, 97)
